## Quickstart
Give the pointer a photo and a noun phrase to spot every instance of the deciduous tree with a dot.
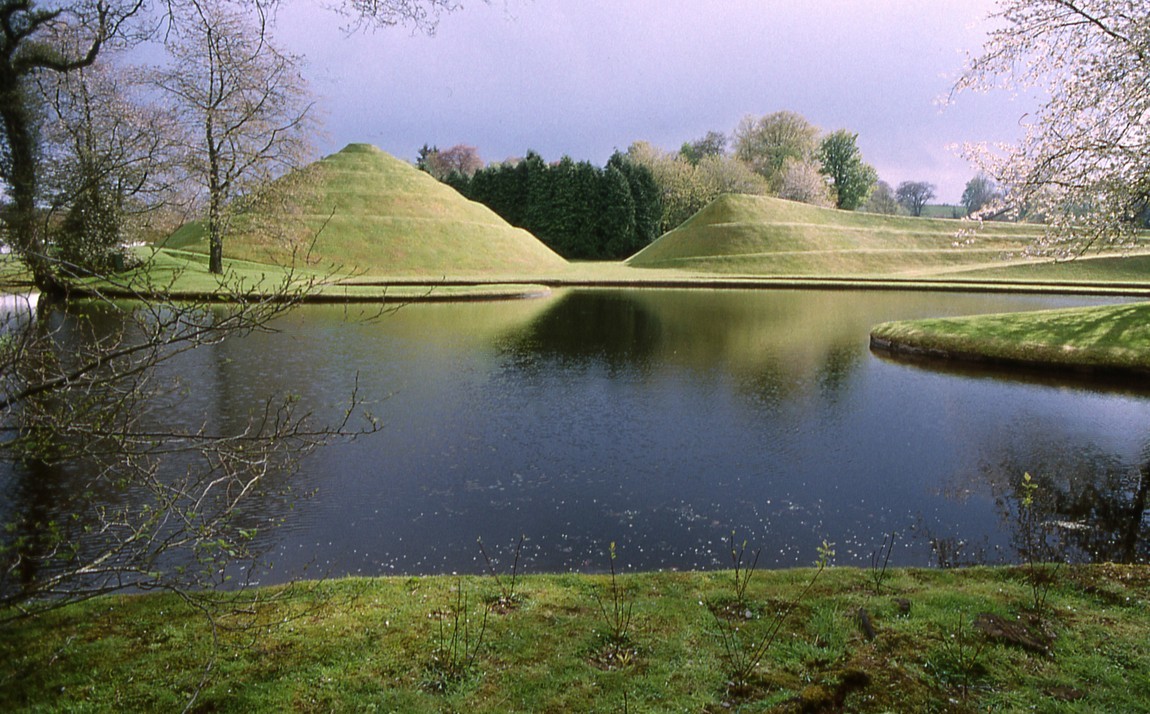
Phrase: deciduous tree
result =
(768, 142)
(243, 104)
(111, 166)
(85, 388)
(39, 38)
(914, 195)
(980, 192)
(882, 200)
(460, 159)
(713, 144)
(1084, 160)
(851, 179)
(684, 187)
(801, 181)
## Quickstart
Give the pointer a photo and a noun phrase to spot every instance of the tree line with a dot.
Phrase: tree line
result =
(585, 212)
(579, 210)
(568, 204)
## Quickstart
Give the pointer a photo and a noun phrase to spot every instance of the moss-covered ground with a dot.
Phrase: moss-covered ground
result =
(918, 641)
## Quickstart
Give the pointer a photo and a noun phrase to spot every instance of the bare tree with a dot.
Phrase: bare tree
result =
(376, 14)
(36, 39)
(85, 391)
(980, 192)
(243, 105)
(914, 195)
(460, 159)
(112, 165)
(87, 387)
(1084, 161)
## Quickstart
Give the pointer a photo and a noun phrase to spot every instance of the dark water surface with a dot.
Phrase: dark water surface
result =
(663, 420)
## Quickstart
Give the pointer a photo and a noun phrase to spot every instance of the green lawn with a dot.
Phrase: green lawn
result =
(387, 645)
(1108, 339)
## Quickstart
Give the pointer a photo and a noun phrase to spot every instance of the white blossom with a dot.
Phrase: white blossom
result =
(1083, 162)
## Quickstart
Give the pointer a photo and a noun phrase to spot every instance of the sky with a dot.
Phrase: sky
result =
(584, 78)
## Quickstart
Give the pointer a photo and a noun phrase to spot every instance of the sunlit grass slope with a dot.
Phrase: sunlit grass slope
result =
(364, 210)
(757, 235)
(1111, 338)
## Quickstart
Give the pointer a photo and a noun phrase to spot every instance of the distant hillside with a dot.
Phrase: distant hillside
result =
(362, 209)
(758, 235)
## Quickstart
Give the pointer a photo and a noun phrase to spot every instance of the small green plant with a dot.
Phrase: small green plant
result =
(744, 651)
(958, 660)
(457, 644)
(616, 610)
(1035, 549)
(879, 560)
(742, 569)
(509, 598)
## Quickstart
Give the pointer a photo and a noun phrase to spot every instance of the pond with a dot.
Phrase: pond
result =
(665, 420)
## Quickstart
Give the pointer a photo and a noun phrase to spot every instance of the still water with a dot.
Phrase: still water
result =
(663, 420)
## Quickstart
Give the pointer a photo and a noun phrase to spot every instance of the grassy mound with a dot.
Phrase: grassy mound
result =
(363, 210)
(759, 235)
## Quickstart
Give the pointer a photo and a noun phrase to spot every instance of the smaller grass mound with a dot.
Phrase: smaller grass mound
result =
(1109, 339)
(769, 236)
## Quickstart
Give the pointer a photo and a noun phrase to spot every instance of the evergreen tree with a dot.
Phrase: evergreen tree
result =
(646, 200)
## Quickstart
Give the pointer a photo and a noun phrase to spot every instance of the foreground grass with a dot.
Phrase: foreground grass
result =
(1112, 338)
(386, 645)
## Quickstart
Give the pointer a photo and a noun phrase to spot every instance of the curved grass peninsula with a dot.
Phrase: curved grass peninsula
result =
(1113, 339)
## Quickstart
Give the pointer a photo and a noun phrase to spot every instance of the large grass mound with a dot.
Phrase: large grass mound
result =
(364, 210)
(758, 235)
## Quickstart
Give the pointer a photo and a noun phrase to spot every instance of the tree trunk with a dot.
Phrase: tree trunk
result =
(23, 229)
(215, 238)
(215, 201)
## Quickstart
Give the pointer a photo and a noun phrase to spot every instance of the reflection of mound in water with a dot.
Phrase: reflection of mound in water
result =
(772, 342)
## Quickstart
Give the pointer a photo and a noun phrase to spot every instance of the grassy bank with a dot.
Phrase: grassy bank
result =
(172, 271)
(916, 640)
(1114, 338)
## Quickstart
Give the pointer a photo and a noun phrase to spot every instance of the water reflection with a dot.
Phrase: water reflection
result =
(663, 420)
(1090, 505)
